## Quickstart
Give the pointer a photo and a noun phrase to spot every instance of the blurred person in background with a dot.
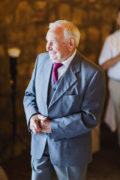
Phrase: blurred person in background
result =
(110, 61)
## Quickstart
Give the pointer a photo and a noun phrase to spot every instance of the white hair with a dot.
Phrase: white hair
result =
(70, 30)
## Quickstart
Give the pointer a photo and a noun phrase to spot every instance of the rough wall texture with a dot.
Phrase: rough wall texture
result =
(24, 23)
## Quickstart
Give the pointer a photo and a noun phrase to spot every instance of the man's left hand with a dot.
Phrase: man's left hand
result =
(45, 125)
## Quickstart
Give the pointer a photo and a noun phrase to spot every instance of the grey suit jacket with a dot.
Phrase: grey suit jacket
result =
(74, 110)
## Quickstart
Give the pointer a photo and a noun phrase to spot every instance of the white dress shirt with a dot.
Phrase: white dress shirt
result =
(111, 49)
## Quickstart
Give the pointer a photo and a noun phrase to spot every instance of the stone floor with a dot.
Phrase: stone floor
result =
(105, 164)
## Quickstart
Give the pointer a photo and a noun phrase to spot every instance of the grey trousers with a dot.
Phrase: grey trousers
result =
(114, 87)
(42, 169)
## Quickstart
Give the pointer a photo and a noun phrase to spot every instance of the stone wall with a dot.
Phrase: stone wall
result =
(24, 23)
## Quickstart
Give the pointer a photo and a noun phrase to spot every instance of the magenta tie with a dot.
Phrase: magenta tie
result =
(55, 72)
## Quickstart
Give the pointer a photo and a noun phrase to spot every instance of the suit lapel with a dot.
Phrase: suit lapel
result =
(46, 78)
(68, 79)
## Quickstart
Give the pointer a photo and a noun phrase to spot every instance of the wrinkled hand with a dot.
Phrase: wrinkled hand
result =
(35, 122)
(39, 124)
(45, 125)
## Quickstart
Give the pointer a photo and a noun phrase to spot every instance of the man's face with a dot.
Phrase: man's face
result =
(56, 45)
(118, 19)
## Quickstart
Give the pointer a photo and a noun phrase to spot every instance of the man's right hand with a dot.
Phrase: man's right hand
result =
(118, 57)
(111, 62)
(35, 121)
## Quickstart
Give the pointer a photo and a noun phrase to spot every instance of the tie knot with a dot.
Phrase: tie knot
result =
(57, 65)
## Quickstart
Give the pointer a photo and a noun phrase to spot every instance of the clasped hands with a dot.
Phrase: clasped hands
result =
(39, 124)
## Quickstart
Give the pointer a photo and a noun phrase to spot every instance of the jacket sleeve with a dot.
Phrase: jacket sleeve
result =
(90, 113)
(29, 100)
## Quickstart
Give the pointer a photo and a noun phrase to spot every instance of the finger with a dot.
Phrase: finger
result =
(34, 128)
(42, 117)
(37, 125)
(36, 131)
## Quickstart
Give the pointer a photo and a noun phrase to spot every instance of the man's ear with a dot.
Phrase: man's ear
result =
(71, 44)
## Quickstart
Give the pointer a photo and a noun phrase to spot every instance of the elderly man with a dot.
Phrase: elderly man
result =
(110, 61)
(63, 103)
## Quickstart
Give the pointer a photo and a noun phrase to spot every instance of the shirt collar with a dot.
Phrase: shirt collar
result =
(68, 60)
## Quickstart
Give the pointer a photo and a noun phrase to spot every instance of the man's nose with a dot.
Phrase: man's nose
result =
(48, 46)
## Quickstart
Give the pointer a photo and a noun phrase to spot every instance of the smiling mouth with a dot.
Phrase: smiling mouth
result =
(52, 52)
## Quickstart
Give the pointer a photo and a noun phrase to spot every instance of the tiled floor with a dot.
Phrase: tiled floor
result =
(105, 164)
